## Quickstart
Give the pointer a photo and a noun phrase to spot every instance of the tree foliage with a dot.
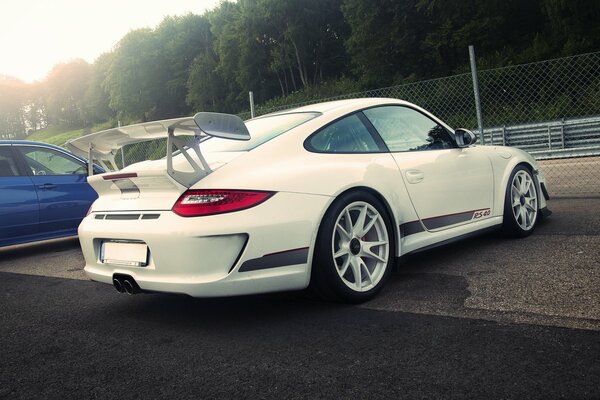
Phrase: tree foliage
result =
(293, 49)
(12, 103)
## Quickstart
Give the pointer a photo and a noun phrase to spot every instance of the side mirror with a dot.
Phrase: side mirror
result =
(464, 137)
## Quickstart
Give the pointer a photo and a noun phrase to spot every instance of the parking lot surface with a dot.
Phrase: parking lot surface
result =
(486, 317)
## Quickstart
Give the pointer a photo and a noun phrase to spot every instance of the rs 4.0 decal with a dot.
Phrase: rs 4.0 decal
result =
(481, 213)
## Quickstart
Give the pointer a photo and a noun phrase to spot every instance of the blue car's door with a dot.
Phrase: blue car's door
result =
(19, 209)
(61, 184)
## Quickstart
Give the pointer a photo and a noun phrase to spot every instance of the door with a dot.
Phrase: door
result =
(19, 209)
(447, 185)
(61, 184)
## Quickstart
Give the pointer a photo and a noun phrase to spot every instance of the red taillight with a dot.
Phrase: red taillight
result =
(195, 203)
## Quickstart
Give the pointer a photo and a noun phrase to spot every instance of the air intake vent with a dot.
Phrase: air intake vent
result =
(123, 217)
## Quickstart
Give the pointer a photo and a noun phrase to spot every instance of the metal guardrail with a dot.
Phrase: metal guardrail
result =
(574, 137)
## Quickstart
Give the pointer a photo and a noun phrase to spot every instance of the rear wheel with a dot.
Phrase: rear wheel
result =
(520, 204)
(355, 249)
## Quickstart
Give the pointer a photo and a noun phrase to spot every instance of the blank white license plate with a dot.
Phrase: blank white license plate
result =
(123, 253)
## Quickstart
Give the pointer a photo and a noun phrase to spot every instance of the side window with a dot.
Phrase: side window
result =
(348, 135)
(405, 129)
(8, 164)
(51, 162)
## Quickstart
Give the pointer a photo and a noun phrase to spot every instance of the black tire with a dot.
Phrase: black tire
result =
(515, 224)
(326, 281)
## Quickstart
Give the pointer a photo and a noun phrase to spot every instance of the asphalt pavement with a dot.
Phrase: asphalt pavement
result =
(482, 318)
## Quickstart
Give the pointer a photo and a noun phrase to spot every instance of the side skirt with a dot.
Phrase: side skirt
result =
(456, 239)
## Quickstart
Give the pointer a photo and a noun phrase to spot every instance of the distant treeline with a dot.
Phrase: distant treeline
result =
(279, 47)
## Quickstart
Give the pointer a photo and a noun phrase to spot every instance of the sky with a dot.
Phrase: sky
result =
(35, 35)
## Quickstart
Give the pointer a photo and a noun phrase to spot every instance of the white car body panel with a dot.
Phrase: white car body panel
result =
(195, 256)
(205, 256)
(462, 177)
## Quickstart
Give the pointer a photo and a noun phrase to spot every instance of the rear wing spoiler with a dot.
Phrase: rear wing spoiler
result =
(183, 133)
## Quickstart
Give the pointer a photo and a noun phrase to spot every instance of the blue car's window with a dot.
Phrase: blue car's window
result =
(348, 135)
(405, 129)
(8, 165)
(51, 162)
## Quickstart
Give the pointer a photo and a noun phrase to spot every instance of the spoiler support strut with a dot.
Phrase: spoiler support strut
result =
(186, 178)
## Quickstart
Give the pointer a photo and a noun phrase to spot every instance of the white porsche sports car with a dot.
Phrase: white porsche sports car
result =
(328, 195)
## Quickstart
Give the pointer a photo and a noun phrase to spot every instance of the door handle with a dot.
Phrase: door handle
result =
(47, 186)
(414, 176)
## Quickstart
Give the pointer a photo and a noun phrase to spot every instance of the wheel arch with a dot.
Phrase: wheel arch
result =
(318, 276)
(508, 172)
(510, 228)
(395, 227)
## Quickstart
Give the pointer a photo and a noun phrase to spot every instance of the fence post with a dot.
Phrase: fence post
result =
(476, 92)
(251, 94)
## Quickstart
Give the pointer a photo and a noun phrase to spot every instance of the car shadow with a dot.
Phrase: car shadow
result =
(39, 248)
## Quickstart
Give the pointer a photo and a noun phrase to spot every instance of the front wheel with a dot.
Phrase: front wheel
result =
(520, 203)
(354, 252)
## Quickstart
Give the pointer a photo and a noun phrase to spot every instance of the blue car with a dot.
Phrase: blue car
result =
(44, 192)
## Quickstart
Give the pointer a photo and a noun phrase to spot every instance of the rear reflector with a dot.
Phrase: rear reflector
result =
(196, 203)
(119, 176)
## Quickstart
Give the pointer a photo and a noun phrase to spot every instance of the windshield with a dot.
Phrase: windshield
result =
(261, 130)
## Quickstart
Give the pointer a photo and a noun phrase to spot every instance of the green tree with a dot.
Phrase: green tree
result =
(12, 108)
(385, 39)
(134, 76)
(65, 88)
(306, 40)
(181, 40)
(96, 99)
(573, 26)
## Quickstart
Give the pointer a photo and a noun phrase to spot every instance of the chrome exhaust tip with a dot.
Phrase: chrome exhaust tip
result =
(118, 285)
(130, 287)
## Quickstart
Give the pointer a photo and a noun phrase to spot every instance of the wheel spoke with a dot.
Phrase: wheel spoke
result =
(340, 229)
(344, 268)
(366, 271)
(359, 225)
(523, 213)
(368, 227)
(356, 271)
(370, 254)
(528, 187)
(515, 192)
(522, 181)
(369, 245)
(341, 252)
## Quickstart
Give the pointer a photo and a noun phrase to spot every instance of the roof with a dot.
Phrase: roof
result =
(336, 104)
(30, 142)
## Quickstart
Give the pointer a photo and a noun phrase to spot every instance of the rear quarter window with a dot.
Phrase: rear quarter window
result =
(347, 135)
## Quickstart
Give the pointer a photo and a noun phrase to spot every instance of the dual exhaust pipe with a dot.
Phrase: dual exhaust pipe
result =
(126, 284)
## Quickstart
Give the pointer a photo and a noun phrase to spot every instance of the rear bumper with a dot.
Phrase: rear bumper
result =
(262, 249)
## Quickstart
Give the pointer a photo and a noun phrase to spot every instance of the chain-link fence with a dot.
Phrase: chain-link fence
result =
(549, 108)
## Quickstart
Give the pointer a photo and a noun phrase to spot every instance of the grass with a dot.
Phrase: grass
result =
(58, 136)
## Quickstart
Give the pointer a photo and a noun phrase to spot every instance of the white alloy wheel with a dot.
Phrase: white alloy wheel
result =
(524, 201)
(360, 246)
